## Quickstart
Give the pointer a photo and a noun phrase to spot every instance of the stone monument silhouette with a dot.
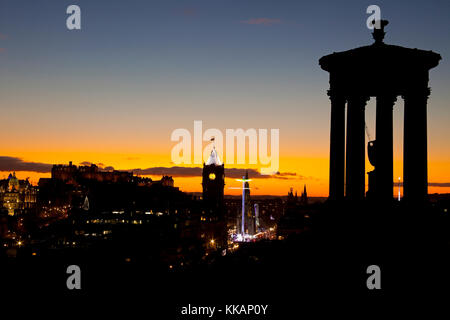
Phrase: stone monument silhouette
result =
(383, 71)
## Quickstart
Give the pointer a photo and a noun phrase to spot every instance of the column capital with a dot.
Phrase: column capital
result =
(359, 100)
(388, 97)
(417, 93)
(335, 94)
(387, 100)
(358, 97)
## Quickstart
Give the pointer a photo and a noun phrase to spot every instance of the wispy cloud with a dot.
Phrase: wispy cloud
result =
(262, 21)
(189, 12)
(197, 172)
(171, 171)
(17, 164)
(10, 164)
(430, 184)
(439, 184)
(186, 12)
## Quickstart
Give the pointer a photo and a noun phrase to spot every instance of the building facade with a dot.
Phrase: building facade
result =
(17, 195)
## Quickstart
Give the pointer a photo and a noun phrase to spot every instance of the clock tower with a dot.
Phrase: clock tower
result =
(213, 184)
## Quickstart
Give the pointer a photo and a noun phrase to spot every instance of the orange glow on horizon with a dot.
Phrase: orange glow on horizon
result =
(312, 172)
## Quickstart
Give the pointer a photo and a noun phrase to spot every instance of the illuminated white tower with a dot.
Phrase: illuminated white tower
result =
(245, 181)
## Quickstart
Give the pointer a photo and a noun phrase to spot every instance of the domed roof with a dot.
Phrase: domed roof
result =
(213, 158)
(13, 182)
(379, 69)
(374, 56)
(13, 178)
(379, 55)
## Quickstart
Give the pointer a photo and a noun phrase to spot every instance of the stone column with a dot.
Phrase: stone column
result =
(384, 148)
(355, 165)
(415, 163)
(337, 146)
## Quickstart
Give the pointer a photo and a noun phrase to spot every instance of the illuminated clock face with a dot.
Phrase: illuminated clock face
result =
(212, 176)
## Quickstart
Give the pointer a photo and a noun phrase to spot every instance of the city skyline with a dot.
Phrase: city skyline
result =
(113, 92)
(185, 153)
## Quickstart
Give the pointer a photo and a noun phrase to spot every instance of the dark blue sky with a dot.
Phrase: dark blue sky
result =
(154, 66)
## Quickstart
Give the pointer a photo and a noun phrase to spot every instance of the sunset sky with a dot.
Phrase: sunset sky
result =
(113, 92)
